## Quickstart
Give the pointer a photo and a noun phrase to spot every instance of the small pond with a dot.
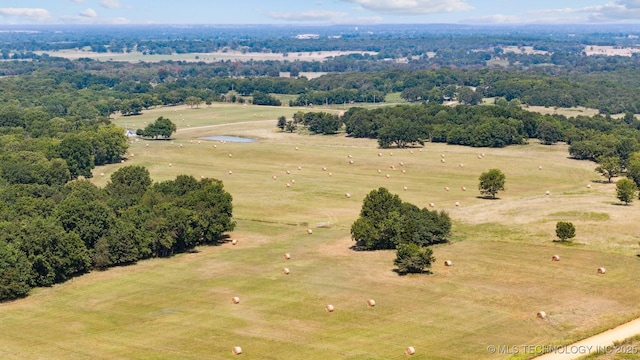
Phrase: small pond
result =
(229, 139)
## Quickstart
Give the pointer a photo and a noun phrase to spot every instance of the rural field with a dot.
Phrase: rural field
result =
(502, 273)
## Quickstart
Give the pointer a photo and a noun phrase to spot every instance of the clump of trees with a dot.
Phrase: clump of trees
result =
(491, 182)
(386, 222)
(50, 233)
(161, 128)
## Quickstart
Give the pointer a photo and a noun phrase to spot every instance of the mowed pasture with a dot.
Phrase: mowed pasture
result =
(502, 273)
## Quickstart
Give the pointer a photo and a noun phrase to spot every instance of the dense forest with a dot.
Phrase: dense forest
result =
(55, 127)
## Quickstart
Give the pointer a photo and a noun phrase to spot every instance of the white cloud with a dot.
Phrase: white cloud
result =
(617, 11)
(110, 4)
(78, 1)
(412, 7)
(304, 16)
(29, 14)
(90, 13)
(83, 19)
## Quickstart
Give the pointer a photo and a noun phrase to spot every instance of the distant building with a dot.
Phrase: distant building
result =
(307, 36)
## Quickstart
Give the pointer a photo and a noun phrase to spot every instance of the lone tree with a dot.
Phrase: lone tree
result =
(162, 127)
(282, 122)
(491, 182)
(609, 166)
(412, 258)
(565, 230)
(626, 190)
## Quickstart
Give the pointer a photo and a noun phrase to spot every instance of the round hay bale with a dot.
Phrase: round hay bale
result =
(296, 148)
(410, 151)
(329, 308)
(299, 167)
(288, 185)
(215, 146)
(601, 270)
(170, 165)
(235, 300)
(324, 168)
(401, 163)
(122, 161)
(230, 172)
(147, 145)
(288, 172)
(448, 263)
(442, 161)
(293, 181)
(180, 145)
(463, 188)
(539, 167)
(390, 154)
(286, 256)
(420, 150)
(330, 174)
(446, 188)
(588, 186)
(201, 176)
(285, 271)
(132, 155)
(371, 303)
(541, 315)
(347, 195)
(191, 141)
(555, 258)
(432, 205)
(442, 155)
(101, 174)
(349, 156)
(274, 177)
(482, 154)
(387, 176)
(547, 193)
(199, 142)
(309, 231)
(461, 165)
(457, 203)
(351, 162)
(237, 350)
(392, 167)
(234, 242)
(379, 171)
(230, 155)
(379, 154)
(404, 188)
(404, 171)
(410, 351)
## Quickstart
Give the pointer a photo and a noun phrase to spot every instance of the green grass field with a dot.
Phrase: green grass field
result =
(502, 273)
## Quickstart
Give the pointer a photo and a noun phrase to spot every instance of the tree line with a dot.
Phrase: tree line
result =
(51, 233)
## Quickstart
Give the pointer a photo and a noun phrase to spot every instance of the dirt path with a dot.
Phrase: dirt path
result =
(603, 342)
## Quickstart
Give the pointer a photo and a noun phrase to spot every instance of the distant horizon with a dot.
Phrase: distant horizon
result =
(319, 12)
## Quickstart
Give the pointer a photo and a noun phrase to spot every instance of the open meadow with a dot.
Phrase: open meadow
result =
(502, 273)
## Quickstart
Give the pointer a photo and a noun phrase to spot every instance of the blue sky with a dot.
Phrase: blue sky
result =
(317, 11)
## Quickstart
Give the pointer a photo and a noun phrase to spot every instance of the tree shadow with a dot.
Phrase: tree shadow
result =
(359, 246)
(423, 272)
(484, 197)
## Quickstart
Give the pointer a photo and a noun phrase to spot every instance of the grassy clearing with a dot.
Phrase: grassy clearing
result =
(501, 250)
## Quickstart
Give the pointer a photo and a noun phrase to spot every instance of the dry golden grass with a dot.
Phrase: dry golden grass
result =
(501, 251)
